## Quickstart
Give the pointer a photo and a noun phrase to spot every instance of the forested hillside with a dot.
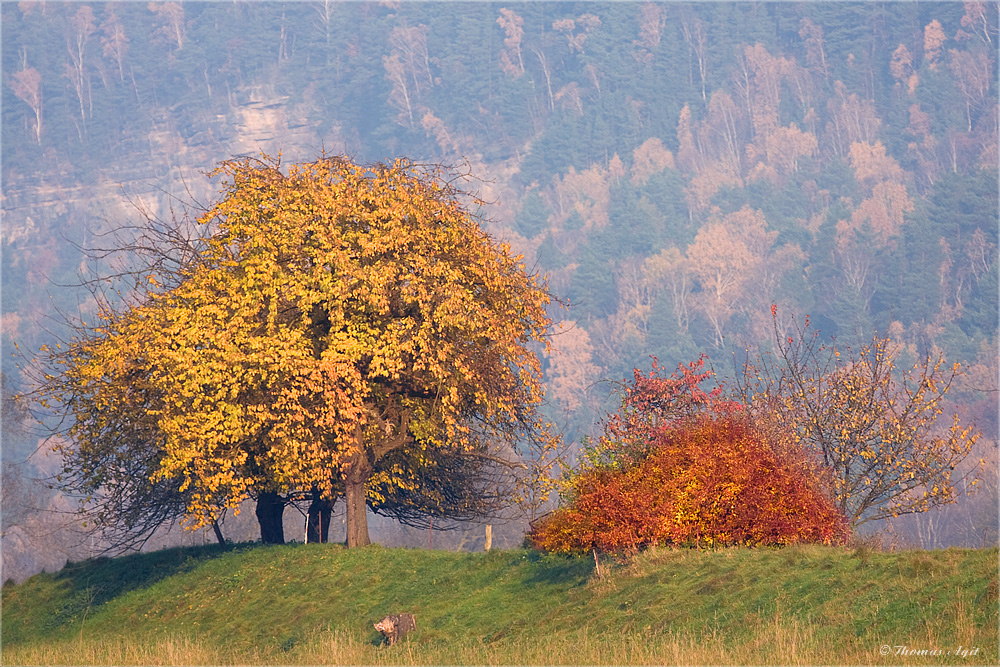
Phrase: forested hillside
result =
(674, 168)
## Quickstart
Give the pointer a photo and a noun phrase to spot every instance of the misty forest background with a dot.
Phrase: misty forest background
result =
(674, 168)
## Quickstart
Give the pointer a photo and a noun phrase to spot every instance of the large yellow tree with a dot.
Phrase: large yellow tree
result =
(345, 325)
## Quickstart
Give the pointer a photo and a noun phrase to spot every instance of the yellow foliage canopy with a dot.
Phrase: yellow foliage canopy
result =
(339, 313)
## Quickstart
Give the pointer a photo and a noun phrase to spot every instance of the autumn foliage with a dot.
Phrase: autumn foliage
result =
(652, 400)
(677, 465)
(886, 433)
(346, 328)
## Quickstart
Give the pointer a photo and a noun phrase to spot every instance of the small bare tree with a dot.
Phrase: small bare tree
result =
(875, 426)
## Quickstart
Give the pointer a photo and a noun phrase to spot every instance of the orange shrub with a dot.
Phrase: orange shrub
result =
(706, 479)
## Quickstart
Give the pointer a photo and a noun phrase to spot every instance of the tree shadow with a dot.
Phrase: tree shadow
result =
(555, 569)
(96, 581)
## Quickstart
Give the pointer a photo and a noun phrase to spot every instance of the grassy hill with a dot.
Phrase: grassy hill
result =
(308, 604)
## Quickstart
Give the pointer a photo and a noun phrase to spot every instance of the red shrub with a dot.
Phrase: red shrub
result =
(705, 479)
(651, 400)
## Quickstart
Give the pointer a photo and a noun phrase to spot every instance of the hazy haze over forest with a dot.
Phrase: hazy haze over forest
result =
(675, 169)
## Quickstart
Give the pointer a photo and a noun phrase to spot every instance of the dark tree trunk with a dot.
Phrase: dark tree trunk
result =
(324, 522)
(318, 522)
(270, 510)
(218, 532)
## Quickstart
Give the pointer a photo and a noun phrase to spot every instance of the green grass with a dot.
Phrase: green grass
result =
(310, 604)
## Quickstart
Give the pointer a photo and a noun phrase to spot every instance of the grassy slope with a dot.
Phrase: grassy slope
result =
(316, 603)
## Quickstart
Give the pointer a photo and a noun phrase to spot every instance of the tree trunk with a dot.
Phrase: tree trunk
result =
(357, 518)
(324, 522)
(270, 510)
(218, 532)
(318, 522)
(356, 473)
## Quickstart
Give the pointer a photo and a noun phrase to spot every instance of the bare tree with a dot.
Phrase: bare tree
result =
(27, 86)
(114, 41)
(693, 29)
(81, 27)
(875, 427)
